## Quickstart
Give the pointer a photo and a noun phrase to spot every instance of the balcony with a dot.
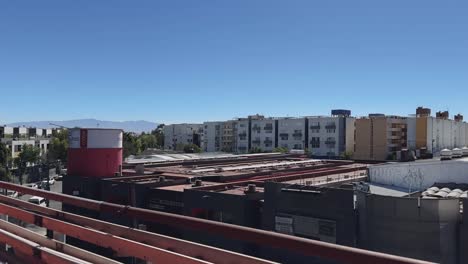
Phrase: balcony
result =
(256, 128)
(297, 135)
(284, 136)
(315, 127)
(256, 141)
(267, 142)
(330, 142)
(330, 126)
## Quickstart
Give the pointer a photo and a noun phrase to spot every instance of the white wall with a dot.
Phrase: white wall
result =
(420, 175)
(445, 134)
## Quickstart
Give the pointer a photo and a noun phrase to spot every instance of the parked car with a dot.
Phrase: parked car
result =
(59, 178)
(51, 182)
(32, 185)
(13, 194)
(38, 200)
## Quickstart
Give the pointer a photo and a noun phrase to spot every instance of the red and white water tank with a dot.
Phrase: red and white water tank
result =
(94, 152)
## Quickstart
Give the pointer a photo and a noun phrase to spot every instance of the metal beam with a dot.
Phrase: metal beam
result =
(210, 254)
(34, 253)
(55, 245)
(299, 245)
(121, 246)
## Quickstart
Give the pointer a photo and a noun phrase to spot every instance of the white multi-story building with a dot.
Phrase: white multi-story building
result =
(441, 134)
(242, 135)
(20, 132)
(331, 136)
(176, 136)
(218, 136)
(16, 137)
(6, 132)
(292, 133)
(263, 134)
(212, 136)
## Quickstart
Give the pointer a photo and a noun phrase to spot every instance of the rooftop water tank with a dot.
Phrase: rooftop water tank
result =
(94, 152)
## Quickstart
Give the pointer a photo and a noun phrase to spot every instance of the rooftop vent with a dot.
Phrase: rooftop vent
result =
(251, 188)
(198, 183)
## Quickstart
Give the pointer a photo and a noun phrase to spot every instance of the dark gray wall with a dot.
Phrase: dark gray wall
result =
(330, 204)
(463, 247)
(400, 226)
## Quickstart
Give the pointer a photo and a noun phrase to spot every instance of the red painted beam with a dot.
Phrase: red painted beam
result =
(34, 253)
(54, 244)
(299, 245)
(187, 248)
(122, 247)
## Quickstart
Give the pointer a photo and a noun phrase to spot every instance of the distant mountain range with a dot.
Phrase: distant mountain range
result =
(128, 126)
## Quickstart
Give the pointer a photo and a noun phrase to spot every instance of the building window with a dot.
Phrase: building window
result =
(315, 142)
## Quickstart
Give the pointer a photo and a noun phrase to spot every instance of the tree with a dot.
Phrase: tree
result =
(192, 148)
(29, 155)
(159, 134)
(347, 155)
(281, 150)
(131, 144)
(4, 174)
(58, 147)
(148, 141)
(256, 150)
(5, 156)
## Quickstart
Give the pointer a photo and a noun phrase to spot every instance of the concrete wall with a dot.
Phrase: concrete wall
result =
(424, 229)
(420, 175)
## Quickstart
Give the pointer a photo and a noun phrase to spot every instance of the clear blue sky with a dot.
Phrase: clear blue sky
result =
(173, 61)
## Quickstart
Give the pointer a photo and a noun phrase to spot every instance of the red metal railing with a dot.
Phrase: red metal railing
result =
(307, 247)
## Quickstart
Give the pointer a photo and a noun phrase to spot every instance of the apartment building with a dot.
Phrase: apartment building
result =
(380, 137)
(322, 136)
(331, 136)
(292, 133)
(6, 132)
(227, 139)
(16, 137)
(439, 132)
(241, 135)
(212, 136)
(176, 136)
(263, 134)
